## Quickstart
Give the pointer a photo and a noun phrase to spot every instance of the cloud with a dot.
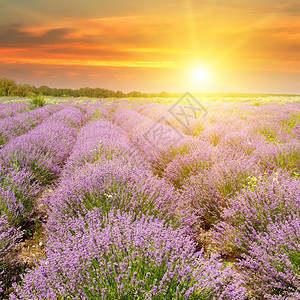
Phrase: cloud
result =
(14, 36)
(40, 73)
(148, 35)
(72, 74)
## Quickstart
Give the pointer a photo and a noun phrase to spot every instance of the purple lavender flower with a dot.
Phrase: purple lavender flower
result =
(206, 194)
(95, 111)
(265, 200)
(11, 109)
(15, 126)
(120, 257)
(112, 184)
(273, 261)
(98, 140)
(282, 156)
(9, 238)
(32, 161)
(11, 207)
(184, 166)
(68, 116)
(43, 150)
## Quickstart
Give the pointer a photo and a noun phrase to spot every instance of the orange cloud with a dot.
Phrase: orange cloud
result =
(170, 37)
(72, 74)
(40, 73)
(124, 76)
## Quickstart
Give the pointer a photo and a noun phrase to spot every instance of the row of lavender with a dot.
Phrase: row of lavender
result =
(239, 177)
(113, 232)
(11, 109)
(28, 164)
(12, 127)
(132, 225)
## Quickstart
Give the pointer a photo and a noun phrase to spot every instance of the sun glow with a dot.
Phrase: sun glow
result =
(200, 75)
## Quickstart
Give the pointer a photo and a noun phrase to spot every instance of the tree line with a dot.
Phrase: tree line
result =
(8, 87)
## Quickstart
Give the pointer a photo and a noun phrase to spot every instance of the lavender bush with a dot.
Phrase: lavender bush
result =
(11, 109)
(43, 150)
(242, 142)
(207, 193)
(21, 183)
(17, 191)
(270, 199)
(184, 166)
(112, 184)
(97, 140)
(145, 132)
(69, 116)
(95, 111)
(22, 123)
(124, 258)
(11, 207)
(32, 161)
(272, 263)
(9, 237)
(282, 156)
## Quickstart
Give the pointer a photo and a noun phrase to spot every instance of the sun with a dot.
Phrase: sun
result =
(200, 75)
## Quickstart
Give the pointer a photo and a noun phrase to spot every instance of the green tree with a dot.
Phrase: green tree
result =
(7, 87)
(119, 94)
(44, 90)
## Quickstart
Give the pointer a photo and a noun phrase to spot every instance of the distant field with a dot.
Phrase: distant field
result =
(150, 198)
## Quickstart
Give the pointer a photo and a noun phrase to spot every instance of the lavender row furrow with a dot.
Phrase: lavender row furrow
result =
(143, 205)
(27, 165)
(116, 209)
(35, 159)
(97, 139)
(12, 127)
(120, 257)
(159, 143)
(100, 164)
(11, 109)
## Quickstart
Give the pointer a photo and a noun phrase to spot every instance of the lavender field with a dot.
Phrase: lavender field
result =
(150, 199)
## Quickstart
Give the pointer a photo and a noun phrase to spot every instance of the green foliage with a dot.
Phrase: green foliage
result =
(7, 87)
(38, 230)
(37, 101)
(294, 257)
(198, 129)
(269, 134)
(293, 121)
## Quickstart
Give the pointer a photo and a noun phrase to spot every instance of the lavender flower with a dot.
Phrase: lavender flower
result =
(15, 126)
(273, 261)
(283, 156)
(271, 199)
(183, 166)
(97, 140)
(33, 160)
(69, 116)
(11, 109)
(11, 207)
(124, 258)
(112, 184)
(207, 193)
(95, 111)
(43, 150)
(9, 237)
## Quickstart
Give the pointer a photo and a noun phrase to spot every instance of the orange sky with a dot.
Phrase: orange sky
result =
(246, 46)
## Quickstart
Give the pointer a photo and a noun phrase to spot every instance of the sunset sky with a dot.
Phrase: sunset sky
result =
(153, 46)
